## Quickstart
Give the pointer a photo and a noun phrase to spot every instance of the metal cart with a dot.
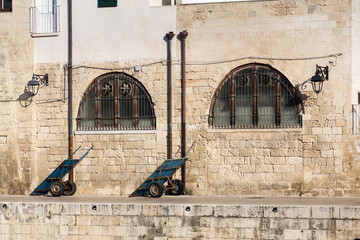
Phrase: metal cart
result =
(155, 186)
(54, 182)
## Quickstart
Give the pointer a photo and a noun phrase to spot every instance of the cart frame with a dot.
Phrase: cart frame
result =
(54, 182)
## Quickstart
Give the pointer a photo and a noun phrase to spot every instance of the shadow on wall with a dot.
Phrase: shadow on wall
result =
(25, 99)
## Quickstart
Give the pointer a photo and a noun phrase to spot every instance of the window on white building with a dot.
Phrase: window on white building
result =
(159, 3)
(217, 1)
(6, 6)
(107, 3)
(45, 17)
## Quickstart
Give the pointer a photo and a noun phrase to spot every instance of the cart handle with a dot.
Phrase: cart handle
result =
(74, 152)
(192, 145)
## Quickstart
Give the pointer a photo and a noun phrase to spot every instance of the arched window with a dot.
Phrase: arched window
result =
(255, 96)
(116, 101)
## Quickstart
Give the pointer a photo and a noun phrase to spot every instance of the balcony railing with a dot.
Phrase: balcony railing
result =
(44, 20)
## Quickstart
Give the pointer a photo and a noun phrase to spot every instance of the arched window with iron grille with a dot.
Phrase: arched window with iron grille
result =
(255, 96)
(116, 101)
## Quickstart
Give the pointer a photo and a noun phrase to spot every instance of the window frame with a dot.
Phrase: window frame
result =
(45, 19)
(118, 100)
(2, 9)
(280, 81)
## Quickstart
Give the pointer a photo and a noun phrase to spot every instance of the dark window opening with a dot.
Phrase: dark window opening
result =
(107, 3)
(116, 101)
(255, 96)
(167, 2)
(5, 5)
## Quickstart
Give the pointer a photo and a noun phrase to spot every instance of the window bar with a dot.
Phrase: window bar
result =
(277, 102)
(255, 77)
(135, 106)
(97, 106)
(116, 103)
(232, 101)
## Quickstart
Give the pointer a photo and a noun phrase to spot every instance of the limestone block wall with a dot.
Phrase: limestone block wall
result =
(17, 122)
(119, 161)
(166, 221)
(292, 37)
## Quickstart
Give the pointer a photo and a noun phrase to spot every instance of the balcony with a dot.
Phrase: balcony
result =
(44, 21)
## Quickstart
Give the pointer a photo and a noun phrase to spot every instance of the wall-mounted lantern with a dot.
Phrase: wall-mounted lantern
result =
(34, 84)
(321, 74)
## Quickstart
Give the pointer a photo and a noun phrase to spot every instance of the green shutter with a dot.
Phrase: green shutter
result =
(107, 3)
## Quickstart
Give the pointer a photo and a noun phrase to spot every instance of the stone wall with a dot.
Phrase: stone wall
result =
(17, 123)
(119, 161)
(290, 36)
(180, 221)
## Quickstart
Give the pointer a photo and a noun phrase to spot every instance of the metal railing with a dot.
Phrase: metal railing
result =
(356, 118)
(45, 19)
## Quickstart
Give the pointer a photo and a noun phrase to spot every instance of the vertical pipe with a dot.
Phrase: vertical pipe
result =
(70, 125)
(183, 36)
(169, 37)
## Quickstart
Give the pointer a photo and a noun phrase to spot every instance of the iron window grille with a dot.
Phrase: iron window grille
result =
(255, 96)
(5, 5)
(116, 101)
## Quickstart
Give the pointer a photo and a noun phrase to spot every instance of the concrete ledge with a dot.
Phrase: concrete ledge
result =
(178, 217)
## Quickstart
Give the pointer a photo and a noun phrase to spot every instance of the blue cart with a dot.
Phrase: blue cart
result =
(162, 181)
(54, 182)
(155, 185)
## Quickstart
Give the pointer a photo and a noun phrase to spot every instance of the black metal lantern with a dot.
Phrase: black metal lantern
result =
(34, 84)
(317, 81)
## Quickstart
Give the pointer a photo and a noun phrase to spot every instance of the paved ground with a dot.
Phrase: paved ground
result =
(191, 200)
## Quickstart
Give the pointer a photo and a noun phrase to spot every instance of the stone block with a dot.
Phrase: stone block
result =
(127, 210)
(243, 211)
(350, 213)
(264, 168)
(292, 234)
(317, 131)
(337, 130)
(325, 212)
(327, 154)
(284, 168)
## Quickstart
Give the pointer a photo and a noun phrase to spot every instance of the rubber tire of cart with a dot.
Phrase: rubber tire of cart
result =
(57, 189)
(156, 189)
(70, 188)
(179, 190)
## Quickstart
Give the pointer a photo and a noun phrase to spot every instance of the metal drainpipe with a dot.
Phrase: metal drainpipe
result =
(183, 36)
(169, 37)
(70, 59)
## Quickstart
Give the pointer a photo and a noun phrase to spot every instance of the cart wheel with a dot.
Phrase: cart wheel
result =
(57, 189)
(70, 188)
(179, 187)
(156, 189)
